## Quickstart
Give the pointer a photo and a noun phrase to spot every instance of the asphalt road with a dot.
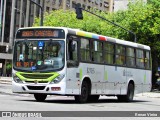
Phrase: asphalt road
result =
(146, 104)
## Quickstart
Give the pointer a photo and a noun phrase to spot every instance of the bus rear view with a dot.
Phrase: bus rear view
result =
(39, 62)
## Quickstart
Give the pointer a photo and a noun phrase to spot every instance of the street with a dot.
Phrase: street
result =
(24, 102)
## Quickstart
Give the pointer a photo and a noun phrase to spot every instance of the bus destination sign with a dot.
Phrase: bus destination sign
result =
(40, 33)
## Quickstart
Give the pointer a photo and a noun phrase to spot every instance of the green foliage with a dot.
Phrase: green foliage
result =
(8, 66)
(90, 23)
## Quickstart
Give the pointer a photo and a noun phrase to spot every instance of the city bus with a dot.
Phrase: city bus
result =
(72, 62)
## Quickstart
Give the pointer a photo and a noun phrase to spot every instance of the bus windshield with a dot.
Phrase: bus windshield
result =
(39, 55)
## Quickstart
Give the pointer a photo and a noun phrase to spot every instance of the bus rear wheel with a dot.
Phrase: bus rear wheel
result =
(84, 93)
(40, 97)
(129, 96)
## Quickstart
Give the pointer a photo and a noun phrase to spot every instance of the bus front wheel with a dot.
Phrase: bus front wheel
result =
(83, 97)
(129, 96)
(40, 97)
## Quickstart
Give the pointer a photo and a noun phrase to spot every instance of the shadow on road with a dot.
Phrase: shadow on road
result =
(74, 102)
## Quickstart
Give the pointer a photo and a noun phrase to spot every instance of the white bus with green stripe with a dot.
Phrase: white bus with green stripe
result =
(71, 62)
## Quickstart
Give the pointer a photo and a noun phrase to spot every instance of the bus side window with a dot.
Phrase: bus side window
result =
(97, 52)
(108, 53)
(139, 58)
(130, 57)
(147, 60)
(85, 50)
(120, 55)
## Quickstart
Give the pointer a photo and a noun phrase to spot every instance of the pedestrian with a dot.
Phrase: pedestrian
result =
(158, 83)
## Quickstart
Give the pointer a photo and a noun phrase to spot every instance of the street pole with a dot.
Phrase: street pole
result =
(41, 7)
(22, 15)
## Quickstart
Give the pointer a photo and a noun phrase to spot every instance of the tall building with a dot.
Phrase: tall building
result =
(123, 4)
(103, 5)
(21, 13)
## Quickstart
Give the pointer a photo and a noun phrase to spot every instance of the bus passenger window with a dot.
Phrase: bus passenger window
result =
(140, 58)
(97, 52)
(85, 50)
(147, 60)
(120, 55)
(108, 53)
(130, 57)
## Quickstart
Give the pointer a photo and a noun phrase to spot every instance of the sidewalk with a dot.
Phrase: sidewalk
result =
(153, 94)
(5, 80)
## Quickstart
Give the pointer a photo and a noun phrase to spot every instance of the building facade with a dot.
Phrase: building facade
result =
(21, 13)
(123, 4)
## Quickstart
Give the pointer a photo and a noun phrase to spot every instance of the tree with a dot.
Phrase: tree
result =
(67, 18)
(144, 20)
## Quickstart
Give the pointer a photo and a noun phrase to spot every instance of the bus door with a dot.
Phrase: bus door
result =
(73, 81)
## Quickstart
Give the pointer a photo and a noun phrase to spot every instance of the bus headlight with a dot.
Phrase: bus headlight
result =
(17, 79)
(57, 79)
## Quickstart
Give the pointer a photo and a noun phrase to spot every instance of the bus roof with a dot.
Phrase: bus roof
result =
(82, 33)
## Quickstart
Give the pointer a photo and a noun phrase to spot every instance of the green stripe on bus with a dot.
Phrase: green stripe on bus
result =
(145, 78)
(52, 76)
(80, 76)
(106, 75)
(88, 35)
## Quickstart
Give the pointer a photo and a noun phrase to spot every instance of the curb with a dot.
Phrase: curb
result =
(6, 80)
(150, 94)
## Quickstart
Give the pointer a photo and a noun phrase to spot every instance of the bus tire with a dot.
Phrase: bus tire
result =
(84, 93)
(129, 96)
(40, 97)
(93, 98)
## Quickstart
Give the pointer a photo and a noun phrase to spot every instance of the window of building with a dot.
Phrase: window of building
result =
(73, 4)
(47, 9)
(60, 2)
(31, 18)
(83, 6)
(106, 4)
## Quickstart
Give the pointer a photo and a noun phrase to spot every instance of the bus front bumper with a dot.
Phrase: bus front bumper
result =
(38, 88)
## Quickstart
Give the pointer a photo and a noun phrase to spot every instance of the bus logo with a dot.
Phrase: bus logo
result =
(36, 81)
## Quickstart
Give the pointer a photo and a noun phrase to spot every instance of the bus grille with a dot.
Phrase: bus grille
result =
(36, 87)
(37, 81)
(37, 76)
